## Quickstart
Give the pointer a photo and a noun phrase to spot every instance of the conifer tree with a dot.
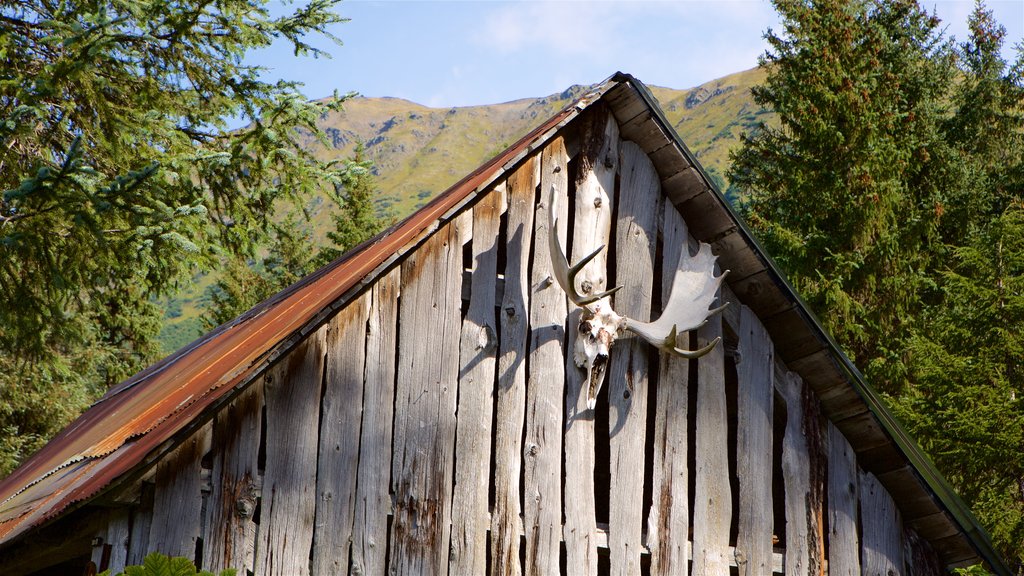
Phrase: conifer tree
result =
(846, 192)
(120, 179)
(966, 399)
(356, 219)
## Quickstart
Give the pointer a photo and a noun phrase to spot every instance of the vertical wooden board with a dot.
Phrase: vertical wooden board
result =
(340, 422)
(118, 538)
(844, 544)
(881, 529)
(712, 503)
(429, 325)
(668, 523)
(231, 532)
(801, 466)
(477, 349)
(796, 477)
(288, 498)
(142, 518)
(595, 188)
(373, 497)
(178, 498)
(99, 547)
(635, 237)
(542, 453)
(755, 390)
(511, 391)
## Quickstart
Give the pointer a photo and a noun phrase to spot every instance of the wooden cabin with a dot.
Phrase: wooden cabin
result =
(414, 407)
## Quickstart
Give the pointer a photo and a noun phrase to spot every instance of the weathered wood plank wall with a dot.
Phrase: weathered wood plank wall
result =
(373, 496)
(234, 484)
(288, 503)
(511, 380)
(341, 405)
(177, 505)
(477, 348)
(712, 504)
(428, 365)
(542, 452)
(669, 519)
(595, 190)
(754, 449)
(417, 433)
(844, 546)
(628, 385)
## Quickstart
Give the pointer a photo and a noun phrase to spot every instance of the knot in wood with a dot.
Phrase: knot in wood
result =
(587, 286)
(244, 507)
(487, 339)
(556, 169)
(510, 311)
(598, 202)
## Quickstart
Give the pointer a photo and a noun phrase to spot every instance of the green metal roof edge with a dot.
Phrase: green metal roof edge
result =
(972, 529)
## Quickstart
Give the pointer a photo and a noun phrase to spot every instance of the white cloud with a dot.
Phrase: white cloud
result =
(562, 27)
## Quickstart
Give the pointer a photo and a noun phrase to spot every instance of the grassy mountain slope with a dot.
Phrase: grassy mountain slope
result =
(418, 151)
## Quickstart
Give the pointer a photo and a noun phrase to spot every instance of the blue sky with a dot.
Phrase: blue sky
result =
(458, 53)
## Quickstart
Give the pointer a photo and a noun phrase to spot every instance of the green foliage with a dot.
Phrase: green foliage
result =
(120, 180)
(243, 283)
(966, 405)
(357, 219)
(976, 570)
(844, 192)
(156, 564)
(892, 194)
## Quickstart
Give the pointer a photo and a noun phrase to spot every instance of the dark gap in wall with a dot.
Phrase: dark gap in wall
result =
(261, 457)
(198, 560)
(496, 321)
(645, 561)
(731, 384)
(501, 242)
(394, 388)
(466, 272)
(779, 417)
(826, 525)
(572, 169)
(653, 382)
(602, 456)
(387, 544)
(604, 565)
(691, 432)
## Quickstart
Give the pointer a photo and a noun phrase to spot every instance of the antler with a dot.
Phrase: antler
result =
(564, 274)
(693, 291)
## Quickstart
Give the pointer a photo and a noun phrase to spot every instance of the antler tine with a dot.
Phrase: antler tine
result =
(565, 274)
(669, 344)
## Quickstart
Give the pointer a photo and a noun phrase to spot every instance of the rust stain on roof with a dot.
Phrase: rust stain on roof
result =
(119, 431)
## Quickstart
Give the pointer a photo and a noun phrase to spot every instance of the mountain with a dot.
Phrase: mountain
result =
(418, 151)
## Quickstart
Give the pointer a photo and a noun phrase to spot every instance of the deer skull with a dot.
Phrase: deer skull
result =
(693, 291)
